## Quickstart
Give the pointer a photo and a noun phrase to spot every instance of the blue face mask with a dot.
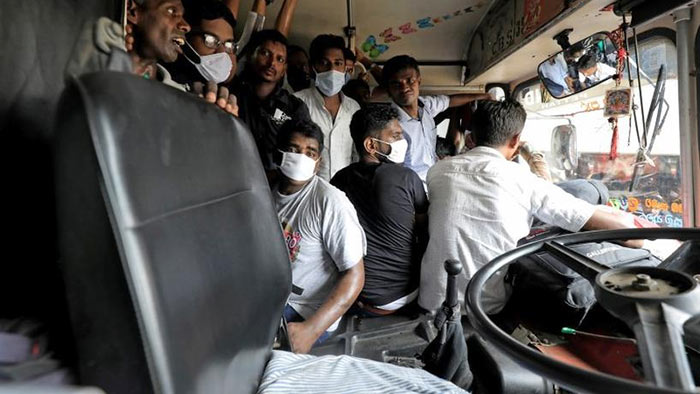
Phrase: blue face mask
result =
(330, 82)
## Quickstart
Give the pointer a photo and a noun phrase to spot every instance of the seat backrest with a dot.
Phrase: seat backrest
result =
(173, 259)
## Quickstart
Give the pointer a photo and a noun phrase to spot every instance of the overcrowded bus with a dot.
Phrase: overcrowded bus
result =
(282, 196)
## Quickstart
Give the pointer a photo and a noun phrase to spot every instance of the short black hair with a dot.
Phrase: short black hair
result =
(291, 49)
(368, 122)
(198, 10)
(323, 42)
(586, 61)
(307, 128)
(350, 89)
(347, 53)
(263, 36)
(397, 64)
(496, 122)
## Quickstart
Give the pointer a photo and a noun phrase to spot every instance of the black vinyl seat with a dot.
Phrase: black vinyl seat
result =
(172, 256)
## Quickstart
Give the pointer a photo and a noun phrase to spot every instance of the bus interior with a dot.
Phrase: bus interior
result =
(127, 304)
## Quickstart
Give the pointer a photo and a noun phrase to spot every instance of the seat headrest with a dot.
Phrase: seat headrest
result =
(168, 239)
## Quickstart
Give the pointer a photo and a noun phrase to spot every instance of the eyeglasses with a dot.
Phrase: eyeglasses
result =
(212, 42)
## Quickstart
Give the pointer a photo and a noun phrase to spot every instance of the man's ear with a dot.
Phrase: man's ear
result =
(318, 164)
(368, 144)
(132, 11)
(514, 141)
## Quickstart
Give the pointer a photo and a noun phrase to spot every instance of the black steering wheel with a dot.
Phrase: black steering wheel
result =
(655, 302)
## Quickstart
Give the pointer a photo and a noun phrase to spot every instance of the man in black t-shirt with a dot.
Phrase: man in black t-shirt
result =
(392, 207)
(262, 102)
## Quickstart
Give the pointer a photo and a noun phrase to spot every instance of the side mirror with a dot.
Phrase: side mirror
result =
(564, 150)
(581, 66)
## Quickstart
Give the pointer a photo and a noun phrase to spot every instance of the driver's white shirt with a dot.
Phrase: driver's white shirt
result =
(480, 206)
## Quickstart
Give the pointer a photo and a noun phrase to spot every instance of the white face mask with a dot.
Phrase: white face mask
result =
(398, 150)
(297, 166)
(330, 82)
(215, 67)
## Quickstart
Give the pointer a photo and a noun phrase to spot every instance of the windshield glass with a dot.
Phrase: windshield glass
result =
(656, 196)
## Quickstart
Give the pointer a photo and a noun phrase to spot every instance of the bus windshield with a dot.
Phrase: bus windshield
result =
(657, 195)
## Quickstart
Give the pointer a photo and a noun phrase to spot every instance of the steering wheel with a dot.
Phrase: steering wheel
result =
(654, 302)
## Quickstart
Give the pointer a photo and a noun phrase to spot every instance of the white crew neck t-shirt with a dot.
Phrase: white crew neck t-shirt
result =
(323, 236)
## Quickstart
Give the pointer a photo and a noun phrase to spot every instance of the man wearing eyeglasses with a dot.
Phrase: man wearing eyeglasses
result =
(264, 105)
(209, 52)
(402, 79)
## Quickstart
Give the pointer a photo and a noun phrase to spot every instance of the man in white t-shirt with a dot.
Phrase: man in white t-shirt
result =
(482, 203)
(323, 234)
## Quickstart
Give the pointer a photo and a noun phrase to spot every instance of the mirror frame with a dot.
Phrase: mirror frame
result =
(541, 78)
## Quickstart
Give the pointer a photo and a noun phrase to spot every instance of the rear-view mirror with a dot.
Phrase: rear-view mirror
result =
(581, 66)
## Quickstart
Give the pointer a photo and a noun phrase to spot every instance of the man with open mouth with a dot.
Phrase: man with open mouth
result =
(158, 28)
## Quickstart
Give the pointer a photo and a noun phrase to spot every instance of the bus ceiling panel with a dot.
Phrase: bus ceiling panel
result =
(518, 61)
(644, 11)
(426, 30)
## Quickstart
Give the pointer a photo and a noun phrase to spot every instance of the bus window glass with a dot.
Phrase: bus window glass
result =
(657, 195)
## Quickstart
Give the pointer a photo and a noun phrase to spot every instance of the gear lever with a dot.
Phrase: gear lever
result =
(450, 307)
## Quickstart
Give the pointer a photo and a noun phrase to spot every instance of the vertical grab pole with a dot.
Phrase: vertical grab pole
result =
(682, 21)
(350, 28)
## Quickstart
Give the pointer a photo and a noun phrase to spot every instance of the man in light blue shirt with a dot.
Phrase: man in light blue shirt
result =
(402, 79)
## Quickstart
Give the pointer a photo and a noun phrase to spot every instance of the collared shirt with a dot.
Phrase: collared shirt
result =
(556, 72)
(338, 151)
(480, 206)
(602, 71)
(421, 133)
(163, 76)
(266, 117)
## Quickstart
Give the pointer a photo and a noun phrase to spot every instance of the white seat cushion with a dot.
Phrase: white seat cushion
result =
(299, 373)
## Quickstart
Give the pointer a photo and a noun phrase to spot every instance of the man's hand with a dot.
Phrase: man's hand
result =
(301, 337)
(606, 218)
(218, 95)
(129, 38)
(360, 57)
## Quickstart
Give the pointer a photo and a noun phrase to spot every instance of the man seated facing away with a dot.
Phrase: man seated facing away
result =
(401, 77)
(209, 52)
(482, 203)
(328, 106)
(264, 105)
(392, 207)
(325, 240)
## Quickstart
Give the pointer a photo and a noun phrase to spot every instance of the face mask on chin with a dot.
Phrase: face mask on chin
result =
(297, 166)
(330, 82)
(215, 67)
(397, 154)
